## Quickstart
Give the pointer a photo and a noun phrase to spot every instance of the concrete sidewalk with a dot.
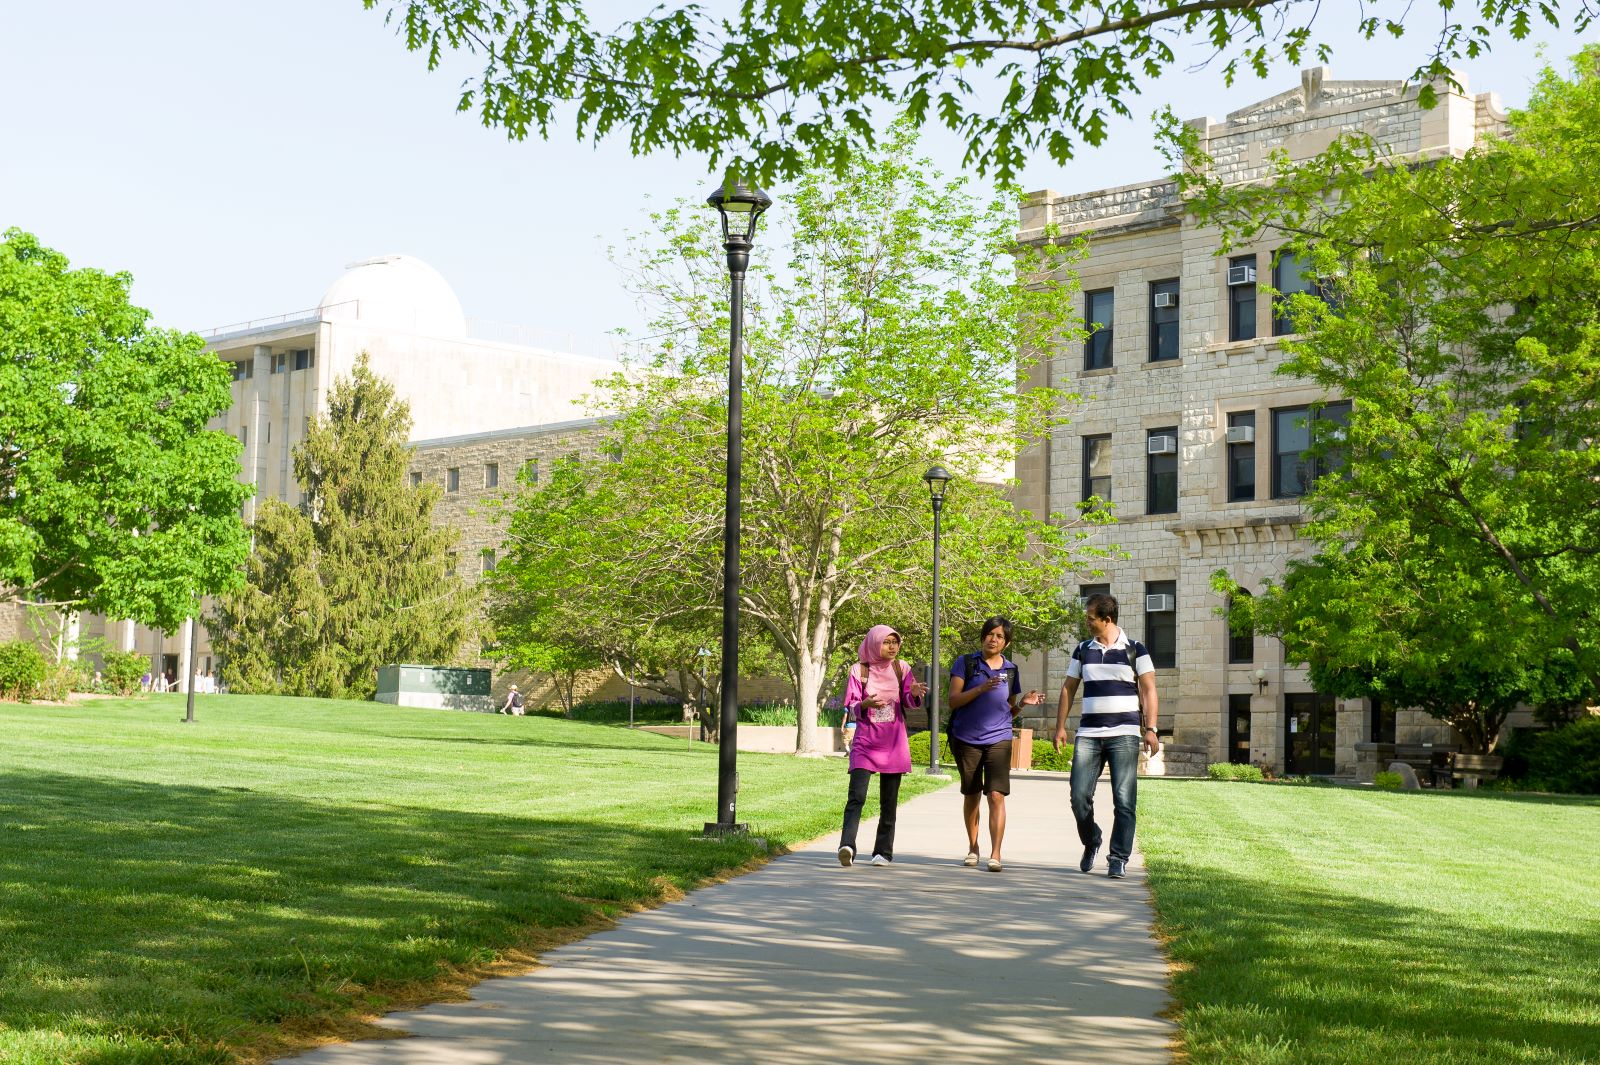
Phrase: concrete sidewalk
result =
(804, 961)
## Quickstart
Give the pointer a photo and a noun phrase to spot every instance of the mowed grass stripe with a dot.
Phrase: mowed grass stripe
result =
(1349, 925)
(221, 891)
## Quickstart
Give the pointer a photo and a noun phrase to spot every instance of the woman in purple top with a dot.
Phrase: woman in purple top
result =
(879, 691)
(985, 699)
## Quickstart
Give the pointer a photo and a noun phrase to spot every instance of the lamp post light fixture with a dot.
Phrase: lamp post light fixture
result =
(1261, 680)
(937, 477)
(740, 206)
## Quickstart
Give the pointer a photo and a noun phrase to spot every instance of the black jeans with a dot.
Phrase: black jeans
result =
(888, 797)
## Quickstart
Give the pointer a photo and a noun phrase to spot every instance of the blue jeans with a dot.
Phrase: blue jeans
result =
(1089, 756)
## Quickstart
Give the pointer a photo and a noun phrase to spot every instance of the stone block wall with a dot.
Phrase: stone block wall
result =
(1139, 234)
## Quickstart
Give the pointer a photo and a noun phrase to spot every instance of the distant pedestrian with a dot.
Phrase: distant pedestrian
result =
(877, 695)
(1119, 716)
(986, 698)
(513, 704)
(144, 681)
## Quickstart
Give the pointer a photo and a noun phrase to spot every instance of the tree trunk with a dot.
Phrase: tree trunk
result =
(808, 697)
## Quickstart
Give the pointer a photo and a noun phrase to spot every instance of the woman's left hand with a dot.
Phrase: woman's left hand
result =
(1033, 698)
(918, 689)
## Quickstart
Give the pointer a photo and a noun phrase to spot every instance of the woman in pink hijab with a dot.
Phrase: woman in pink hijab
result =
(879, 691)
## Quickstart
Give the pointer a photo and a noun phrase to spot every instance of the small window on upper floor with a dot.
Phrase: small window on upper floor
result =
(532, 466)
(280, 362)
(1097, 466)
(1161, 622)
(1161, 458)
(1242, 297)
(1241, 445)
(243, 370)
(416, 479)
(1098, 321)
(1290, 276)
(1164, 320)
(1294, 471)
(491, 475)
(303, 358)
(452, 479)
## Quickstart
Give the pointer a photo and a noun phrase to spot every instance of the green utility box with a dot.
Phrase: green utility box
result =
(442, 687)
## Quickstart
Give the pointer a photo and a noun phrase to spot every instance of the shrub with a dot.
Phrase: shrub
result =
(919, 748)
(1046, 756)
(22, 670)
(1564, 759)
(58, 682)
(1231, 771)
(123, 670)
(615, 712)
(1388, 781)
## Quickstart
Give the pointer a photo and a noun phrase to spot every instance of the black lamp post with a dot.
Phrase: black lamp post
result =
(740, 205)
(937, 478)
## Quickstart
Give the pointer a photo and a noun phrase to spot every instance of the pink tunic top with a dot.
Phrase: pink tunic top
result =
(880, 745)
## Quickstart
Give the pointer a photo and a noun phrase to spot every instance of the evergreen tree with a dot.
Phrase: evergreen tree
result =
(358, 576)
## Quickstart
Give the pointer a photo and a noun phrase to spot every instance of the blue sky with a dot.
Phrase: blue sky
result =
(234, 157)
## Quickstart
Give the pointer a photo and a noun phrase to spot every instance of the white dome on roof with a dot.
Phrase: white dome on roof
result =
(396, 292)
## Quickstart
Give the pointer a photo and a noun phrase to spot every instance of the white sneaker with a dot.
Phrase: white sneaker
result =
(847, 856)
(878, 859)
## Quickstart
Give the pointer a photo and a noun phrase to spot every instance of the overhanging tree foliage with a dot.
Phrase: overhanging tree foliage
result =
(356, 578)
(889, 342)
(782, 85)
(114, 497)
(1463, 534)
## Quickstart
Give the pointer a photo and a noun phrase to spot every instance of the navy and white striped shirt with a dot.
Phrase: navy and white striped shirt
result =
(1110, 685)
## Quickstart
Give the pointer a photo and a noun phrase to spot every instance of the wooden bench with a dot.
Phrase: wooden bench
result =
(1469, 769)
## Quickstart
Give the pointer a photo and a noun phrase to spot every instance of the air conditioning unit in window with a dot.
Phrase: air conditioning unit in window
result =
(1160, 604)
(1165, 299)
(1241, 434)
(1242, 275)
(1161, 445)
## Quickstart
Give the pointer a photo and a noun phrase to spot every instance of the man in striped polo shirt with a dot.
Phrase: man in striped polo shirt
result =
(1119, 716)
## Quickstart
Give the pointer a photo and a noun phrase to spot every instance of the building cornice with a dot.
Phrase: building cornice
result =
(1208, 534)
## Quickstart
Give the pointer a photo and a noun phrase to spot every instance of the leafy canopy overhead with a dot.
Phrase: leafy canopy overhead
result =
(783, 85)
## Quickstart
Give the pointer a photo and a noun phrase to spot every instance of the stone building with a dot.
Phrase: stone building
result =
(409, 322)
(1185, 427)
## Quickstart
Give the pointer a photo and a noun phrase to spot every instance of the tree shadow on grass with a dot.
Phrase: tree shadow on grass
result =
(151, 922)
(1267, 972)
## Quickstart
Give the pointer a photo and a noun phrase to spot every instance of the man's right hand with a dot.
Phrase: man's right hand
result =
(1059, 738)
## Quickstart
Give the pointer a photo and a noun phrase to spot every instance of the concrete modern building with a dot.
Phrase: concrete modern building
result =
(1186, 428)
(409, 322)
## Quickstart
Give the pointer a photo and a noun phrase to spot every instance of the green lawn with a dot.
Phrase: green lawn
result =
(1350, 925)
(213, 892)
